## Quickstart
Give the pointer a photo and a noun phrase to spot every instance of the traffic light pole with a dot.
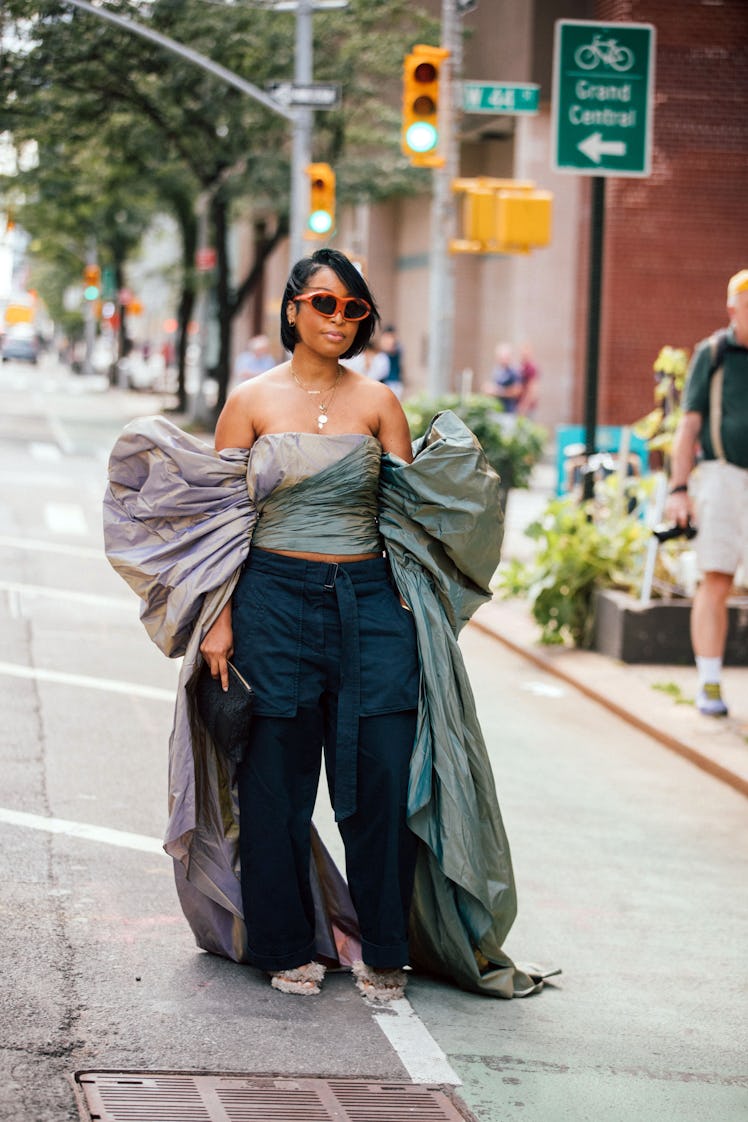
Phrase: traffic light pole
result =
(441, 263)
(303, 123)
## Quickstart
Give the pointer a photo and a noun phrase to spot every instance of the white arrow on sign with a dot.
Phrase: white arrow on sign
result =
(313, 95)
(594, 147)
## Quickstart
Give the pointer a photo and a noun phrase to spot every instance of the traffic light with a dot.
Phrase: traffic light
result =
(321, 220)
(523, 220)
(479, 214)
(92, 282)
(421, 87)
(502, 216)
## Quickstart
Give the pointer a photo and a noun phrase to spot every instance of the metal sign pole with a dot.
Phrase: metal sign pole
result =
(441, 263)
(301, 150)
(594, 289)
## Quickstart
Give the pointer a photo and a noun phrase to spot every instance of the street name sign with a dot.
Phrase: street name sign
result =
(512, 98)
(310, 95)
(603, 87)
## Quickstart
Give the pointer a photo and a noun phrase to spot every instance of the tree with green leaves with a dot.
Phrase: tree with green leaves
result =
(130, 120)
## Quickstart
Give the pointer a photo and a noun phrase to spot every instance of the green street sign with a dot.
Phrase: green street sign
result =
(512, 98)
(603, 86)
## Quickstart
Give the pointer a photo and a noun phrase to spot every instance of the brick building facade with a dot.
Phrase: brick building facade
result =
(673, 240)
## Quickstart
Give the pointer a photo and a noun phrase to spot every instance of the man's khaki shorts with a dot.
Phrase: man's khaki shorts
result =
(721, 496)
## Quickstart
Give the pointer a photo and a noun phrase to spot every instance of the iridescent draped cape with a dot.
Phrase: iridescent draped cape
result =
(178, 520)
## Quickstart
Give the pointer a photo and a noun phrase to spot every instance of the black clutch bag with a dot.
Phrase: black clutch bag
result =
(227, 715)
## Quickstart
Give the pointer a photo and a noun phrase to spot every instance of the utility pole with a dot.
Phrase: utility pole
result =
(301, 150)
(441, 263)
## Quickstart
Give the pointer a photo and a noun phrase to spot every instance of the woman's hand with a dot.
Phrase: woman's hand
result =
(217, 646)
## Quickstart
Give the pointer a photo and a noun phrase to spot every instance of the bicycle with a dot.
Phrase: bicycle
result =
(607, 52)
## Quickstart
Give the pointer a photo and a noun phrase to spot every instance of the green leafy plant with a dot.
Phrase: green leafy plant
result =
(513, 445)
(575, 555)
(672, 689)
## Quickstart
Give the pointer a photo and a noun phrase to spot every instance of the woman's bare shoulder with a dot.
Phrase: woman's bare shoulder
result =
(259, 385)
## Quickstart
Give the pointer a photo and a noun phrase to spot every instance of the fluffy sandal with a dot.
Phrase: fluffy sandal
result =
(303, 980)
(379, 985)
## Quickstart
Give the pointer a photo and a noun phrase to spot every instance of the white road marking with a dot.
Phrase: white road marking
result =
(41, 450)
(60, 435)
(51, 547)
(421, 1056)
(544, 689)
(92, 598)
(59, 677)
(65, 518)
(45, 481)
(416, 1048)
(120, 838)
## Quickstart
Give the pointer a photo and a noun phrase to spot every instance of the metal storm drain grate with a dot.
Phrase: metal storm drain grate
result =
(181, 1097)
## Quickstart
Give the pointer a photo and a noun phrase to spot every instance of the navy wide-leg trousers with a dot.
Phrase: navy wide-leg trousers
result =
(332, 657)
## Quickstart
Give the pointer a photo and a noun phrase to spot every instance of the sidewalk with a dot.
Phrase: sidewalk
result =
(643, 695)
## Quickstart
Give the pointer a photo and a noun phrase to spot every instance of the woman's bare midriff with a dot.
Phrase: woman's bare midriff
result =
(332, 558)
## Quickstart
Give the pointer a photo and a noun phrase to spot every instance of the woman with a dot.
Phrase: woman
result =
(321, 596)
(268, 549)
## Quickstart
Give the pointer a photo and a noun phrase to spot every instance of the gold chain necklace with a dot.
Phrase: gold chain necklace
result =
(321, 408)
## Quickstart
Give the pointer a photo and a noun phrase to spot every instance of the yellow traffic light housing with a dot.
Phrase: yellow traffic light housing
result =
(92, 282)
(523, 220)
(421, 90)
(320, 221)
(502, 216)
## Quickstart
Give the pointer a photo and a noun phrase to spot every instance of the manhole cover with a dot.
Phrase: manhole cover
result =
(181, 1097)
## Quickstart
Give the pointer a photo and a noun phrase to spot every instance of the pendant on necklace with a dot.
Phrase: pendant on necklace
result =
(322, 420)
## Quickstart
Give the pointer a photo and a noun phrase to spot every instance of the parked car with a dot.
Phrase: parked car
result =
(20, 343)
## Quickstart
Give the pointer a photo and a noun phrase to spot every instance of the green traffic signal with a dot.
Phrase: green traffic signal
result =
(421, 137)
(320, 222)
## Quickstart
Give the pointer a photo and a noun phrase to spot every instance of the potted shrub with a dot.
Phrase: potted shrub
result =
(581, 548)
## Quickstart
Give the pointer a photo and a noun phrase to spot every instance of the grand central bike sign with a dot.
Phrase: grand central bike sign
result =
(603, 86)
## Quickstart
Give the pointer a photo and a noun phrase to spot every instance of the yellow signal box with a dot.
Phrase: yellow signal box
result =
(502, 216)
(320, 221)
(92, 282)
(523, 220)
(421, 91)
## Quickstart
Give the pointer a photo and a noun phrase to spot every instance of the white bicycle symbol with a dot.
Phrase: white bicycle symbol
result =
(606, 51)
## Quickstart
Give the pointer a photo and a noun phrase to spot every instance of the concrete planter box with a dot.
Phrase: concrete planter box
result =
(658, 632)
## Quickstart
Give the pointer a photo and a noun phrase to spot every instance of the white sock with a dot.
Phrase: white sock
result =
(710, 669)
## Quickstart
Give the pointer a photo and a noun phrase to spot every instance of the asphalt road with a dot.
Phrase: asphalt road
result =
(631, 864)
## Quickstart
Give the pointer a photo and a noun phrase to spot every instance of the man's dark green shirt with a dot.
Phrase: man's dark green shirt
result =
(734, 398)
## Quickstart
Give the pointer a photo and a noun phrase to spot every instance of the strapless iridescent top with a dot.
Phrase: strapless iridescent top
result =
(315, 494)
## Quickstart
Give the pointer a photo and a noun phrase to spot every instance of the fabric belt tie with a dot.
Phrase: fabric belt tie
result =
(338, 581)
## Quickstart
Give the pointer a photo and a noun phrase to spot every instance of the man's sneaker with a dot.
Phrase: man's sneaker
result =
(709, 700)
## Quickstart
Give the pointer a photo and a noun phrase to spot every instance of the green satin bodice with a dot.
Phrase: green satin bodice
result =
(315, 494)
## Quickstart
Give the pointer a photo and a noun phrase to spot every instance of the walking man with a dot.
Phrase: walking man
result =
(715, 418)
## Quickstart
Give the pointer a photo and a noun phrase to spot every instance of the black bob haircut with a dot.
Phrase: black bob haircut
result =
(300, 276)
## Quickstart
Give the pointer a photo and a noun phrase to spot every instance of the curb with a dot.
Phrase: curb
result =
(484, 622)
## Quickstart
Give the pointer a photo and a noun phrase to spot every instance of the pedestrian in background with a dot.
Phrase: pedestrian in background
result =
(391, 346)
(506, 381)
(371, 362)
(530, 380)
(715, 419)
(254, 360)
